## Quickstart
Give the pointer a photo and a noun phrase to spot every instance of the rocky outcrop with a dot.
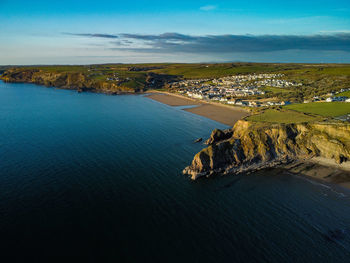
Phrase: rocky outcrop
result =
(219, 135)
(250, 146)
(198, 140)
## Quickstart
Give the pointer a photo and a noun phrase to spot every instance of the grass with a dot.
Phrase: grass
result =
(327, 109)
(196, 71)
(337, 70)
(276, 90)
(282, 116)
(345, 93)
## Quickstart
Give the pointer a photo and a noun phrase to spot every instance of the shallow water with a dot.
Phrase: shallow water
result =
(99, 177)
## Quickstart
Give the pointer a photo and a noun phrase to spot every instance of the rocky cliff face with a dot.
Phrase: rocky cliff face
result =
(78, 80)
(66, 80)
(252, 146)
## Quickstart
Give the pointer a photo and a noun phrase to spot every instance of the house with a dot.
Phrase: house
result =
(285, 103)
(253, 104)
(331, 99)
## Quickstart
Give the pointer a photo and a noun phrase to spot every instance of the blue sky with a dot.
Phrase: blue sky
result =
(81, 32)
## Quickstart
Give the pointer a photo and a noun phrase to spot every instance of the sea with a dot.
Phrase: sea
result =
(98, 178)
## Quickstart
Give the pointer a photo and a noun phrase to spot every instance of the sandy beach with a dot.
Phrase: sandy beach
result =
(172, 100)
(221, 113)
(323, 170)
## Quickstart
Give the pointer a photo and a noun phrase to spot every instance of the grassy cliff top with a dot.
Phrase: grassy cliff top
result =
(317, 79)
(325, 109)
(283, 116)
(300, 113)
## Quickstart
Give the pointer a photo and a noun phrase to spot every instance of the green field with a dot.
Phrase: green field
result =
(195, 71)
(276, 90)
(345, 93)
(327, 109)
(283, 116)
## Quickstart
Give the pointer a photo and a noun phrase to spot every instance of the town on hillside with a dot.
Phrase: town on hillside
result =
(245, 90)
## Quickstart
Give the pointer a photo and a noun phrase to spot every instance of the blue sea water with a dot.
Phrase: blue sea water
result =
(97, 178)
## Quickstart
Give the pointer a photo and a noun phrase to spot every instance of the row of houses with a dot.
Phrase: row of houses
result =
(215, 93)
(257, 103)
(340, 98)
(232, 101)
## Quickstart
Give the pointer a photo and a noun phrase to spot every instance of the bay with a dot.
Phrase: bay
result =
(98, 178)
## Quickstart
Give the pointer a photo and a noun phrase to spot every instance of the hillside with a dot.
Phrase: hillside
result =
(100, 78)
(316, 79)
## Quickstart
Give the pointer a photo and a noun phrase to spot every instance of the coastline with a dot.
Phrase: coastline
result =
(321, 170)
(224, 114)
(311, 150)
(317, 168)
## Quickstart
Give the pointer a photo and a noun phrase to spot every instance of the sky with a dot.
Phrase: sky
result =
(85, 32)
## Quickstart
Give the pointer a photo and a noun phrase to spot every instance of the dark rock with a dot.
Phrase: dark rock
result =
(219, 135)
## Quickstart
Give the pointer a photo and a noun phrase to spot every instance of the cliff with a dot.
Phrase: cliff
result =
(81, 81)
(251, 146)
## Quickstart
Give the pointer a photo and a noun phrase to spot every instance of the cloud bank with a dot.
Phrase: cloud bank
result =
(174, 42)
(330, 47)
(91, 35)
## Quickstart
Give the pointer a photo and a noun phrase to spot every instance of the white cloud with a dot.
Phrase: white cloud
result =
(208, 7)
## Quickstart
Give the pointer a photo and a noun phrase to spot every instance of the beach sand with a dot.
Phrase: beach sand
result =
(322, 169)
(225, 114)
(220, 114)
(172, 100)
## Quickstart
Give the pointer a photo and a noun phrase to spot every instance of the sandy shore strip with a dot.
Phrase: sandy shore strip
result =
(172, 100)
(225, 114)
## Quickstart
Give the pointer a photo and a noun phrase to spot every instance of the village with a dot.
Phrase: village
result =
(234, 89)
(243, 90)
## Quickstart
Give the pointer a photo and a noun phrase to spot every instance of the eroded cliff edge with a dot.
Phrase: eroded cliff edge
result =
(251, 146)
(83, 82)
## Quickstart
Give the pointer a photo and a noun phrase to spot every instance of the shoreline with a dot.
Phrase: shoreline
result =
(321, 170)
(227, 115)
(318, 169)
(78, 89)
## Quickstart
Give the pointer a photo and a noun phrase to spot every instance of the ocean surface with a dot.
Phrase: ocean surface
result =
(97, 178)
